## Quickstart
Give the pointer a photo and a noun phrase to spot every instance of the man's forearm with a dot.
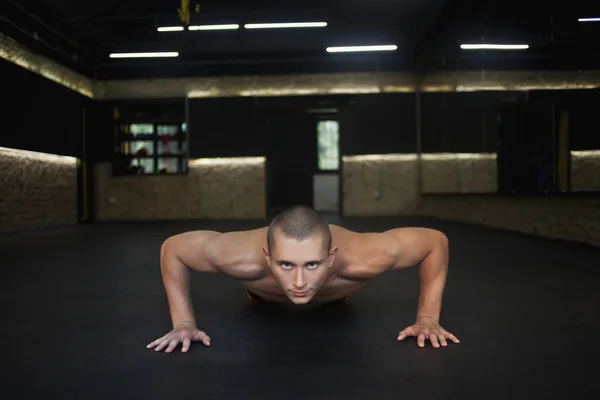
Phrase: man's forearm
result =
(176, 279)
(432, 272)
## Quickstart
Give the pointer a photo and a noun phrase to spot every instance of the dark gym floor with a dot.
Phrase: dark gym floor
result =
(80, 304)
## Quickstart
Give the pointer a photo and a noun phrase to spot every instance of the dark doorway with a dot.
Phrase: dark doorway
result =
(292, 155)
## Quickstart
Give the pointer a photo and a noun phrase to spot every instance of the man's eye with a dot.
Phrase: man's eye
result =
(312, 266)
(286, 266)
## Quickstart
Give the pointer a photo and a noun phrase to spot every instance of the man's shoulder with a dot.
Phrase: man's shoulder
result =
(362, 255)
(238, 253)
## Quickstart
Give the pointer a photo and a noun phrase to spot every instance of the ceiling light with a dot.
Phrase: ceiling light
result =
(595, 19)
(287, 25)
(346, 49)
(145, 55)
(213, 27)
(170, 28)
(494, 46)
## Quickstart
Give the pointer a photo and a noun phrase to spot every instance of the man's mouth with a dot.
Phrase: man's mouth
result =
(300, 294)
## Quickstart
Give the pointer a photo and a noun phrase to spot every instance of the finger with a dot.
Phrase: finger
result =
(155, 343)
(162, 345)
(434, 340)
(421, 340)
(442, 340)
(405, 333)
(202, 337)
(186, 345)
(199, 335)
(451, 337)
(172, 345)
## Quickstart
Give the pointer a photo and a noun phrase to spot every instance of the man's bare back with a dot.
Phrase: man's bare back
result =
(300, 261)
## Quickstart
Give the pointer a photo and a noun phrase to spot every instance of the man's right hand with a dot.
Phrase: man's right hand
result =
(185, 333)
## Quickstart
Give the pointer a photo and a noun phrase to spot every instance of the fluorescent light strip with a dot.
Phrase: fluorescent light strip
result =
(213, 27)
(170, 28)
(595, 19)
(347, 49)
(287, 25)
(145, 55)
(494, 46)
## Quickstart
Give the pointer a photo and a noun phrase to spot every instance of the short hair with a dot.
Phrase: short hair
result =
(299, 222)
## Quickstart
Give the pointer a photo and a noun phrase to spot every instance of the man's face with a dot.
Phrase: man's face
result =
(300, 267)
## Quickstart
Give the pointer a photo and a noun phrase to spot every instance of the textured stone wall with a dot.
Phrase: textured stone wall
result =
(36, 190)
(388, 184)
(576, 219)
(459, 173)
(227, 188)
(585, 171)
(380, 185)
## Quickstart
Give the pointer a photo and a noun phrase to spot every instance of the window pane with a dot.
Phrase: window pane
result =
(167, 129)
(146, 164)
(328, 139)
(141, 129)
(168, 165)
(169, 143)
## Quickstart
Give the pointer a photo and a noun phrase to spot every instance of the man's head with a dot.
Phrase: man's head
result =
(299, 252)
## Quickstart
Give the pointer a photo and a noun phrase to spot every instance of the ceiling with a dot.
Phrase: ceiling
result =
(428, 34)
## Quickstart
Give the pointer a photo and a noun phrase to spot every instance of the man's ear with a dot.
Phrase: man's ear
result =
(267, 254)
(332, 254)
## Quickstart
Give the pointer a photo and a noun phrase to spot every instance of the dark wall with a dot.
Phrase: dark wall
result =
(230, 127)
(38, 114)
(584, 113)
(99, 138)
(468, 122)
(379, 124)
(462, 122)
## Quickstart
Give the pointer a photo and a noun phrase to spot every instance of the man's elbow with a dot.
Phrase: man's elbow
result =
(166, 251)
(438, 241)
(443, 239)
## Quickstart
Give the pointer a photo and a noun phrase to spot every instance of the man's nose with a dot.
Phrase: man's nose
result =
(299, 279)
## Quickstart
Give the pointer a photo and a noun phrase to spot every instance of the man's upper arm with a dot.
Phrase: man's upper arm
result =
(192, 249)
(410, 246)
(228, 253)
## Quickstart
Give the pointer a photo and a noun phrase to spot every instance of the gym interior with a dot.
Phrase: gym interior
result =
(478, 119)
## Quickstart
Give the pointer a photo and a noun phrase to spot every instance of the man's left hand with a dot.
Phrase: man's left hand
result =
(428, 329)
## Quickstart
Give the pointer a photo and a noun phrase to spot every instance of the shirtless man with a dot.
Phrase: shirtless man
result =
(302, 259)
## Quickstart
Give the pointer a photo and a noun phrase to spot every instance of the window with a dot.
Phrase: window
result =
(152, 148)
(328, 142)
